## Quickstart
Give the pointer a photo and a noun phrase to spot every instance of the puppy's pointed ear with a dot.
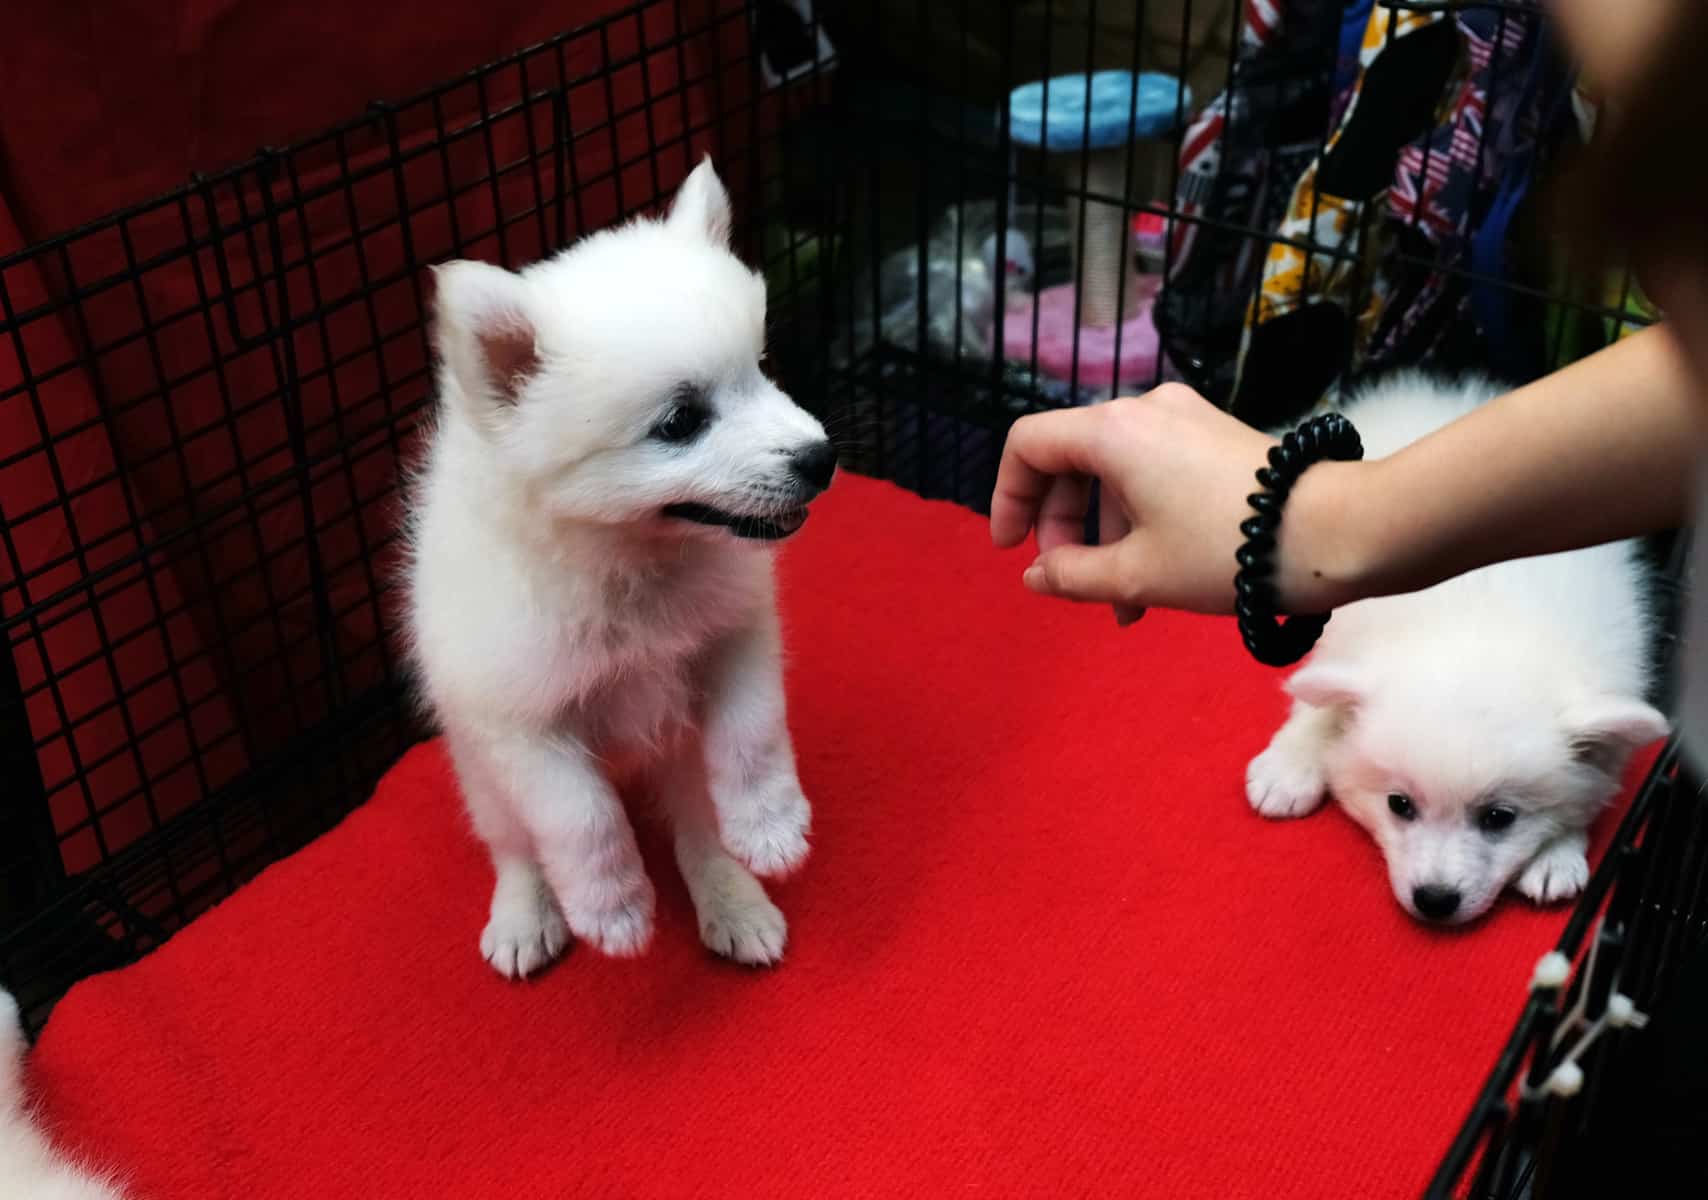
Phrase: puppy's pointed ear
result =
(485, 334)
(701, 207)
(1328, 685)
(1605, 731)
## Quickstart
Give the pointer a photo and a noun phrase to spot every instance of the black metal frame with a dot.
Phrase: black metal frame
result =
(306, 269)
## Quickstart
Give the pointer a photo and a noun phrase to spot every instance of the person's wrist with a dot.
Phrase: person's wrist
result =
(1324, 553)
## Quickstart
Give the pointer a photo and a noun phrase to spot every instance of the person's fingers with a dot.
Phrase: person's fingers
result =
(1039, 448)
(1061, 517)
(1079, 573)
(1113, 524)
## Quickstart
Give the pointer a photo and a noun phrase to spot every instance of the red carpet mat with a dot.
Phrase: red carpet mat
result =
(1042, 948)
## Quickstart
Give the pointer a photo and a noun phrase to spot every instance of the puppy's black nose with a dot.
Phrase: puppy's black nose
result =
(815, 464)
(1436, 903)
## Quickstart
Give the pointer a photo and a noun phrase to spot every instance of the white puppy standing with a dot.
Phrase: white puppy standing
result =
(591, 596)
(1475, 728)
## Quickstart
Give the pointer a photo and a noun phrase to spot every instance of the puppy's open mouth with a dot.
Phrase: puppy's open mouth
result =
(768, 529)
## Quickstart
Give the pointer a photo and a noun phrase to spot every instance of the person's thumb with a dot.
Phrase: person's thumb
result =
(1078, 573)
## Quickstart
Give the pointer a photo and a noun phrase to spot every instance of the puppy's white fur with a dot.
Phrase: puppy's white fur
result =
(30, 1167)
(1518, 687)
(568, 634)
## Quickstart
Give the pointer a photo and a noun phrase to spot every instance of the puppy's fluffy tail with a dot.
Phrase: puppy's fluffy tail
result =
(30, 1168)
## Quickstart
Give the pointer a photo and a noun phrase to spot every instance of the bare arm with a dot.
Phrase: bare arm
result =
(1601, 450)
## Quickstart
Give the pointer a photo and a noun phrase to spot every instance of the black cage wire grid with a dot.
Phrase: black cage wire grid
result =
(199, 525)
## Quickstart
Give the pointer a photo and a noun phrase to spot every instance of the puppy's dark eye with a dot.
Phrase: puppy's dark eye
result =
(683, 422)
(1496, 818)
(1401, 806)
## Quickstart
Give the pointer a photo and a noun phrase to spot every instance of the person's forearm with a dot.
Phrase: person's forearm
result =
(1601, 450)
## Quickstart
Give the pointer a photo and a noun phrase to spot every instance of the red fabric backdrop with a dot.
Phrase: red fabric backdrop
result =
(1042, 947)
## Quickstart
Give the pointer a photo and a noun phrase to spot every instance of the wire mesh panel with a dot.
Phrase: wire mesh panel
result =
(205, 402)
(1316, 192)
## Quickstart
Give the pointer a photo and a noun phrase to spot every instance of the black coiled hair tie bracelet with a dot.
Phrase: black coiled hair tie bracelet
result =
(1271, 641)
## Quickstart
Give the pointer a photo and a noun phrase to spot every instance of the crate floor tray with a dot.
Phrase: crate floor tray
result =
(1042, 948)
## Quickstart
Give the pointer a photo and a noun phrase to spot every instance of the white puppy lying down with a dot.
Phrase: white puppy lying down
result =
(591, 594)
(1477, 727)
(30, 1168)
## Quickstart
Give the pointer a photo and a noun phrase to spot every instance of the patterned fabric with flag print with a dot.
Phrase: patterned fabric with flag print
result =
(1351, 281)
(1238, 161)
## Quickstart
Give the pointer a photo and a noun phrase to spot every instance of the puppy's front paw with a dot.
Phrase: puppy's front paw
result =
(1281, 782)
(1559, 872)
(745, 926)
(522, 937)
(769, 831)
(621, 928)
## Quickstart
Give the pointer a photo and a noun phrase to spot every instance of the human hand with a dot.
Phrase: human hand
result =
(1175, 472)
